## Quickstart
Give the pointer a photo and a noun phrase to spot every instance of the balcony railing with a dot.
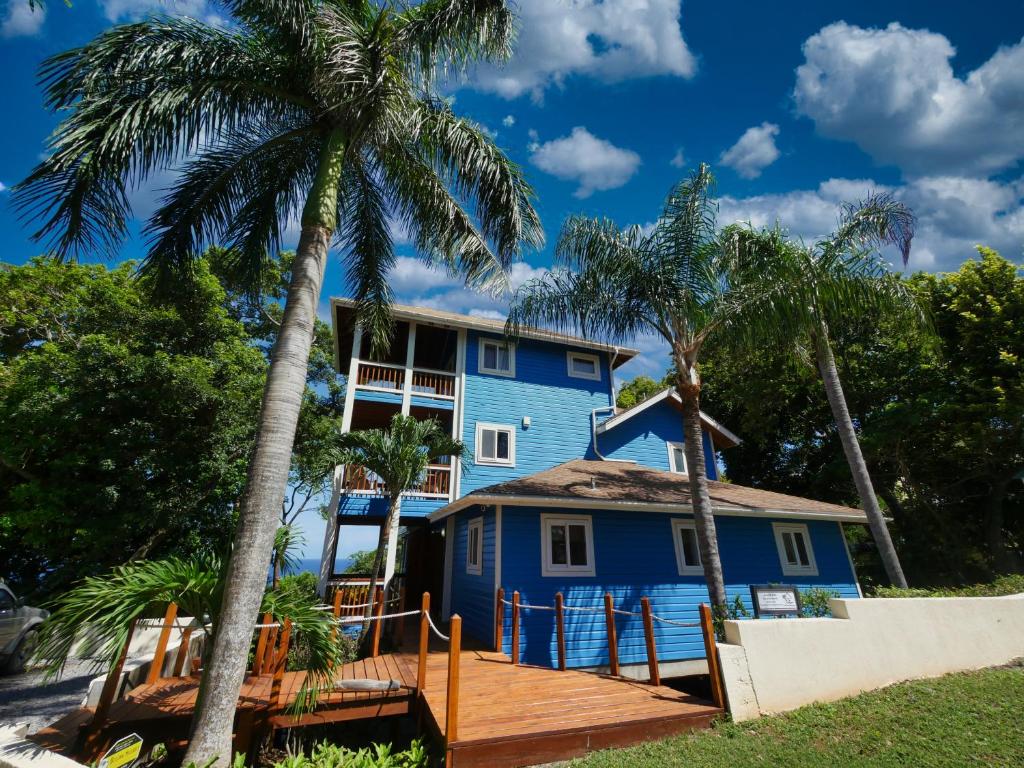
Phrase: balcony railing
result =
(391, 378)
(435, 482)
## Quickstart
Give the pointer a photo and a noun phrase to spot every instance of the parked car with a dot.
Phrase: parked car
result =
(19, 624)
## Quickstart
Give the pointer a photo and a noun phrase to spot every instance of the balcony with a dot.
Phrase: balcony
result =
(435, 482)
(387, 377)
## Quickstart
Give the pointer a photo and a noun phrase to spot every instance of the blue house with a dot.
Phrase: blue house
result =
(562, 492)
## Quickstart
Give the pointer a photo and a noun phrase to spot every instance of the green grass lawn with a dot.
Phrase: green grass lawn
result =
(974, 718)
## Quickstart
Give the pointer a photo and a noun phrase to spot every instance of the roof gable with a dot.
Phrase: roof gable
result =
(723, 438)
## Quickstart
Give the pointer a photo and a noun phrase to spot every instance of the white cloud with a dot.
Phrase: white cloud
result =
(508, 121)
(678, 161)
(594, 163)
(612, 40)
(411, 275)
(753, 152)
(893, 92)
(953, 214)
(133, 10)
(417, 284)
(21, 20)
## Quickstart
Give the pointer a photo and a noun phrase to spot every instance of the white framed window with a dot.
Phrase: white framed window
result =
(475, 547)
(684, 536)
(584, 366)
(676, 458)
(567, 545)
(497, 358)
(495, 444)
(795, 551)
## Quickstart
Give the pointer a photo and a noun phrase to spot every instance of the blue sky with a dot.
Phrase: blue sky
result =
(797, 106)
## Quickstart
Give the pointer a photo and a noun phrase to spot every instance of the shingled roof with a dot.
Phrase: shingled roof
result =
(626, 485)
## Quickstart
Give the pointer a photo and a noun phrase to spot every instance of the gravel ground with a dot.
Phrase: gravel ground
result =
(26, 699)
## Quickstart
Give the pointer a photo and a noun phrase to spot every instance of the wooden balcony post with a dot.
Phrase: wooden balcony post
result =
(91, 733)
(560, 628)
(707, 627)
(499, 619)
(421, 665)
(451, 722)
(280, 661)
(652, 650)
(515, 627)
(184, 648)
(156, 668)
(379, 597)
(613, 643)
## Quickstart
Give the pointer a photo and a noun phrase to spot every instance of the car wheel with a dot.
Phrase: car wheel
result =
(18, 661)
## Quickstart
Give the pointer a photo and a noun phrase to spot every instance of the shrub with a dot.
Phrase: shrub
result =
(814, 601)
(1004, 585)
(326, 755)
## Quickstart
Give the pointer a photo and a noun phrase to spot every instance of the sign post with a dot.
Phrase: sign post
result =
(123, 753)
(775, 600)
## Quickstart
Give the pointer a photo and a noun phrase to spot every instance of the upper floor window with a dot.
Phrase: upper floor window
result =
(676, 458)
(475, 546)
(584, 366)
(495, 444)
(684, 533)
(795, 552)
(568, 545)
(497, 357)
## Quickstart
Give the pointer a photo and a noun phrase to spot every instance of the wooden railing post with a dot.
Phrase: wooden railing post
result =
(652, 651)
(707, 626)
(184, 648)
(157, 665)
(560, 628)
(379, 597)
(91, 732)
(515, 627)
(613, 643)
(280, 661)
(499, 620)
(267, 638)
(421, 666)
(451, 721)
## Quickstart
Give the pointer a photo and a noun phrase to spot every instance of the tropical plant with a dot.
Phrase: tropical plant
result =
(837, 276)
(674, 282)
(320, 111)
(327, 755)
(399, 456)
(283, 557)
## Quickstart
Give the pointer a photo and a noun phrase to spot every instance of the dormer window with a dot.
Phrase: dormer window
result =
(497, 358)
(584, 366)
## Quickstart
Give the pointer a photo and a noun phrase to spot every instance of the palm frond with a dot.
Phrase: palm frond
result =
(876, 221)
(438, 34)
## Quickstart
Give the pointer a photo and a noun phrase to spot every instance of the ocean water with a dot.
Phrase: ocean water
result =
(312, 565)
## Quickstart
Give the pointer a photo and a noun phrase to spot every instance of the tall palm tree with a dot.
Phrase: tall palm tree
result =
(839, 275)
(316, 111)
(399, 456)
(674, 283)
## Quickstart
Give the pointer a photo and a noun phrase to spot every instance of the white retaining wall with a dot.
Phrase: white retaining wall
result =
(774, 665)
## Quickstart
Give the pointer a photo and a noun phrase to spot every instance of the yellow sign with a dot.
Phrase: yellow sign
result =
(123, 753)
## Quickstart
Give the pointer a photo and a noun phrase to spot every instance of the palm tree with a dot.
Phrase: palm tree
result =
(674, 283)
(399, 456)
(837, 276)
(316, 111)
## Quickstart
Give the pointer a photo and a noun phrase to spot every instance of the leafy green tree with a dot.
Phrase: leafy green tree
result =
(639, 389)
(125, 422)
(362, 561)
(320, 111)
(838, 276)
(399, 456)
(677, 282)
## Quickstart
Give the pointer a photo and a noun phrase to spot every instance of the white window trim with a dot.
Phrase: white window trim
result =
(595, 376)
(511, 372)
(477, 524)
(795, 570)
(511, 461)
(550, 569)
(669, 446)
(684, 569)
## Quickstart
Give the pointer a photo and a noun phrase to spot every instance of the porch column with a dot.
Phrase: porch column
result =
(330, 532)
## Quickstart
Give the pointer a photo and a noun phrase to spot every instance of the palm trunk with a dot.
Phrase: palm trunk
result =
(378, 560)
(246, 578)
(859, 469)
(704, 520)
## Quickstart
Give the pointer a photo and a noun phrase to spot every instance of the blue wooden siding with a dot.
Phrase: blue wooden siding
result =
(472, 595)
(375, 396)
(363, 504)
(558, 405)
(634, 557)
(642, 439)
